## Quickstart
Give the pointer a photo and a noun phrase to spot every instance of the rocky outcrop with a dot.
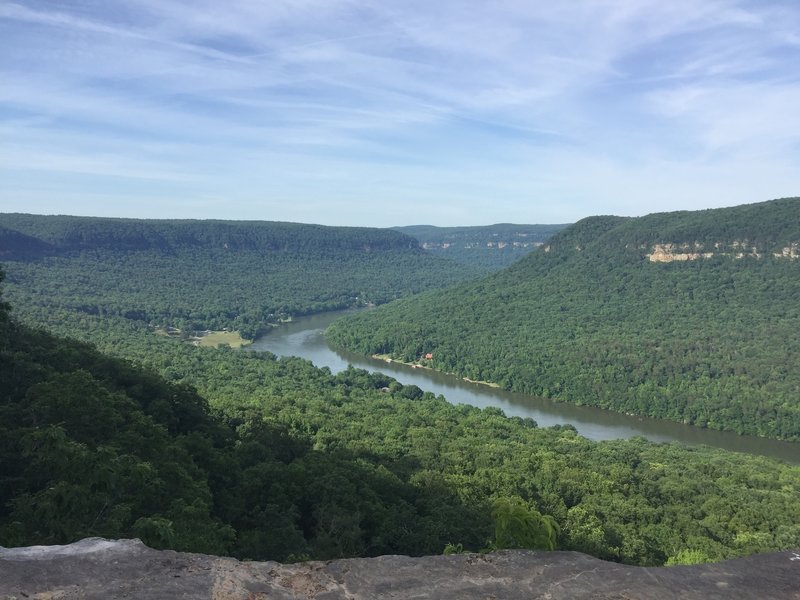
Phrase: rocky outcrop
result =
(673, 252)
(96, 568)
(737, 249)
(792, 251)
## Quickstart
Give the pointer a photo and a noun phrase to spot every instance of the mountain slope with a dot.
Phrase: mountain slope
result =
(690, 316)
(197, 275)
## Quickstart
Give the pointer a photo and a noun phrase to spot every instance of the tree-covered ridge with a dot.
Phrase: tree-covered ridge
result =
(490, 247)
(767, 226)
(294, 462)
(593, 321)
(198, 275)
(67, 233)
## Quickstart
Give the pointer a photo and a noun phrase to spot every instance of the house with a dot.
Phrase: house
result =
(428, 356)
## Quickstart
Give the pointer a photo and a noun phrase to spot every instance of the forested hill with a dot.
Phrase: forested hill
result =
(491, 247)
(766, 227)
(199, 275)
(26, 234)
(690, 316)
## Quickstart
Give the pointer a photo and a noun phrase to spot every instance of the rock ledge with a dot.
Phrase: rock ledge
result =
(98, 568)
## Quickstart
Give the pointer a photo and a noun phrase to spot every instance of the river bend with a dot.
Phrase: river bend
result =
(303, 337)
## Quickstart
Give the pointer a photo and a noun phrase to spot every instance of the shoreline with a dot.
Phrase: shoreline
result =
(417, 365)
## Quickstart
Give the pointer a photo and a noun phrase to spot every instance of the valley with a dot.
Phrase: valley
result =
(111, 430)
(377, 300)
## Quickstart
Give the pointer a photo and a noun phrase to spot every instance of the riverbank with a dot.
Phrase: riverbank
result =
(304, 338)
(419, 365)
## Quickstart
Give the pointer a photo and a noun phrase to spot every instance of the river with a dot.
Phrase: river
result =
(303, 337)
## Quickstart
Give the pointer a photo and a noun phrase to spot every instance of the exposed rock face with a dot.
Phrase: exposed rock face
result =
(694, 251)
(792, 252)
(668, 253)
(97, 568)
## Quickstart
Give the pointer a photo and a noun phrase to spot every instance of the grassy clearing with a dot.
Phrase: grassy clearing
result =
(226, 338)
(209, 339)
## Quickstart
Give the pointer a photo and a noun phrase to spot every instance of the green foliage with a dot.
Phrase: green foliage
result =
(688, 557)
(199, 275)
(156, 532)
(4, 307)
(241, 453)
(517, 525)
(450, 549)
(82, 456)
(294, 462)
(708, 342)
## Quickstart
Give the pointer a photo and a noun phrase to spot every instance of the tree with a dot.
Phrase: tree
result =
(517, 525)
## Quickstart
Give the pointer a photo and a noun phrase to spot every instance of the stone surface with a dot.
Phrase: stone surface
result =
(96, 568)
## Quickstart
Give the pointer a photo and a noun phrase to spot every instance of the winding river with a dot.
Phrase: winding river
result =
(303, 337)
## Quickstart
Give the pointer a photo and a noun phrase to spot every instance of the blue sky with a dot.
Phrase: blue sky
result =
(385, 113)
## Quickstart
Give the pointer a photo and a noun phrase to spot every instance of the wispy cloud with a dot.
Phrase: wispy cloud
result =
(450, 110)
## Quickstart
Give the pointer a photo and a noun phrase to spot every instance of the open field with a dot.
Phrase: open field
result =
(225, 338)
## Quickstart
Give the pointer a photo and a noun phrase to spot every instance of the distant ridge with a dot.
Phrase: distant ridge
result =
(491, 247)
(195, 276)
(67, 233)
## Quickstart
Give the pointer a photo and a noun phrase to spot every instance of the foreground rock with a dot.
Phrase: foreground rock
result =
(97, 568)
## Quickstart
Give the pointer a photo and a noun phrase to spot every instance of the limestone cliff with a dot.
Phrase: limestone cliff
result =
(96, 568)
(737, 249)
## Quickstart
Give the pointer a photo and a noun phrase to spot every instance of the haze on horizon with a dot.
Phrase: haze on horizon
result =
(396, 113)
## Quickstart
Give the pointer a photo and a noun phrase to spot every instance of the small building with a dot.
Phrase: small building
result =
(428, 356)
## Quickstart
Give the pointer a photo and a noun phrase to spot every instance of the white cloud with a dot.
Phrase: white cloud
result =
(442, 104)
(749, 119)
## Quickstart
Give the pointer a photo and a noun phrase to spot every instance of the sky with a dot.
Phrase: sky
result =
(383, 113)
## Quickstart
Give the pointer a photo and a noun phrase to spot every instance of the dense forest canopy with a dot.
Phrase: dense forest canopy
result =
(491, 247)
(244, 454)
(58, 234)
(690, 316)
(200, 275)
